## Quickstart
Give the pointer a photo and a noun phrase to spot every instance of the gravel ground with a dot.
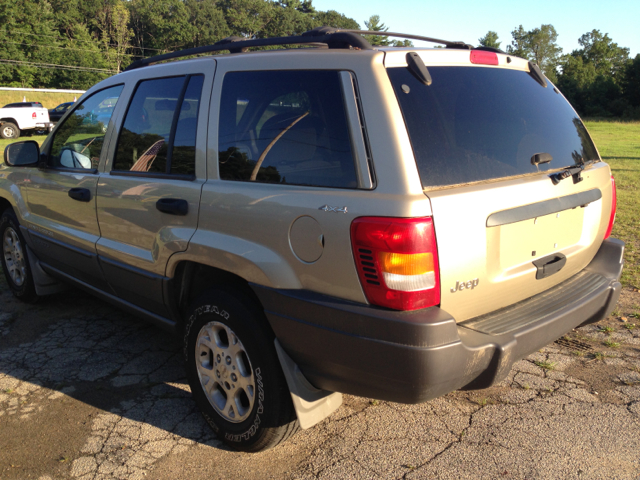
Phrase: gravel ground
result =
(88, 392)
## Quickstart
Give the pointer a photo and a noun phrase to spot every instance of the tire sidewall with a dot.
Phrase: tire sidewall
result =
(16, 131)
(26, 290)
(258, 344)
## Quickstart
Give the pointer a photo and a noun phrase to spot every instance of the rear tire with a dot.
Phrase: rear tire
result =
(234, 373)
(9, 130)
(15, 262)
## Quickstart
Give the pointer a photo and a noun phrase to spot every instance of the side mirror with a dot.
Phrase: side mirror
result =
(22, 154)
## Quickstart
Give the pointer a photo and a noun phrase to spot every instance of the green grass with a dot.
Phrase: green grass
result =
(47, 99)
(546, 365)
(619, 146)
(4, 143)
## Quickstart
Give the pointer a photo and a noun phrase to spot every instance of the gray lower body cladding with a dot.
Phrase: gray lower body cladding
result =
(412, 357)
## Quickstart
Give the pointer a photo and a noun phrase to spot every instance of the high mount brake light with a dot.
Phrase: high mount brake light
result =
(484, 58)
(614, 207)
(397, 261)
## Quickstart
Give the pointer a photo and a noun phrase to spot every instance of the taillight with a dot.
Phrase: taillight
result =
(614, 206)
(397, 261)
(33, 115)
(484, 58)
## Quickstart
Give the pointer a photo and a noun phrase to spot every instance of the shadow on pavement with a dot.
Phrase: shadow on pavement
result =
(72, 344)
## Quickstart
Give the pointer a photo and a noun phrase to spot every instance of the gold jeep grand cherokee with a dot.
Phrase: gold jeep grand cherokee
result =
(394, 223)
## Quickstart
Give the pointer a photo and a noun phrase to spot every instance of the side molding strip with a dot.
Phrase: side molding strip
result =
(162, 322)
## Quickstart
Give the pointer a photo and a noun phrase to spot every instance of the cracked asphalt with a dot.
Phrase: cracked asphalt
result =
(89, 392)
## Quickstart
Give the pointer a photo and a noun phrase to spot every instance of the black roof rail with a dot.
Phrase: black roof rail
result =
(239, 44)
(447, 43)
(490, 49)
(320, 36)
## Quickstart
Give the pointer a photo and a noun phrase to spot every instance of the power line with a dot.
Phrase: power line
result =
(62, 48)
(55, 66)
(85, 41)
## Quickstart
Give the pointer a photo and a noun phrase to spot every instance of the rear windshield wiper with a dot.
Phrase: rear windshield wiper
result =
(574, 171)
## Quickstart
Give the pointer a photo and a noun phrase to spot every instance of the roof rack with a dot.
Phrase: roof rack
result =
(321, 36)
(447, 43)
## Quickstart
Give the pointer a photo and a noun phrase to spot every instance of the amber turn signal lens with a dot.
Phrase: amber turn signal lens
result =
(406, 263)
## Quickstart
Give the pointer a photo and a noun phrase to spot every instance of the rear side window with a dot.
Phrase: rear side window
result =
(286, 127)
(475, 123)
(159, 130)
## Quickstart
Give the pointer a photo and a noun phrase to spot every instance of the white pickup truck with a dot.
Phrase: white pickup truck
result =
(16, 118)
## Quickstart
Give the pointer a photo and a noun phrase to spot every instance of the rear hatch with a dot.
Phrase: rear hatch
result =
(41, 115)
(504, 230)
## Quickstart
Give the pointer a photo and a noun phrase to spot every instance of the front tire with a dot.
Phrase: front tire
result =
(9, 130)
(234, 373)
(15, 262)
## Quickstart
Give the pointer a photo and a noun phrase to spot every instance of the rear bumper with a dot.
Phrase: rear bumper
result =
(412, 357)
(44, 126)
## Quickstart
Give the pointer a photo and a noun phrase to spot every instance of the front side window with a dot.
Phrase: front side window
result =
(159, 130)
(285, 127)
(78, 142)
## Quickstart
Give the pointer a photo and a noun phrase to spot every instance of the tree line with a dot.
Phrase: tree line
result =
(76, 43)
(599, 78)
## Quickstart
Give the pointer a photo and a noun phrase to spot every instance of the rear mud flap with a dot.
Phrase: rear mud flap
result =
(312, 405)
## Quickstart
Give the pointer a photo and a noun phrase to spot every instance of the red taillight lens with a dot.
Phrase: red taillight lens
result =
(397, 261)
(33, 115)
(484, 58)
(614, 206)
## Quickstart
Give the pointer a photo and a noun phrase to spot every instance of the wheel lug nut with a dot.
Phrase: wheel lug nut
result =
(228, 360)
(233, 377)
(218, 357)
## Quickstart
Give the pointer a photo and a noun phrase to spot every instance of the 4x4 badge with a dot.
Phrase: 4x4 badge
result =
(328, 208)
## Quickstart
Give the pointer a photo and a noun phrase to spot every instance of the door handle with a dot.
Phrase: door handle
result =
(173, 206)
(80, 194)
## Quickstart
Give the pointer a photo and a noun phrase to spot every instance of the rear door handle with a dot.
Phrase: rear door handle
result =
(80, 194)
(173, 206)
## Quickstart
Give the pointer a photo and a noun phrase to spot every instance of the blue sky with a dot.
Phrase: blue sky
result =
(468, 20)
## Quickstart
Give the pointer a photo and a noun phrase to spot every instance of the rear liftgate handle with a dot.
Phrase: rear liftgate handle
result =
(549, 265)
(173, 206)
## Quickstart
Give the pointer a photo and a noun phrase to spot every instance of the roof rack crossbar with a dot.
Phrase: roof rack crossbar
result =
(238, 44)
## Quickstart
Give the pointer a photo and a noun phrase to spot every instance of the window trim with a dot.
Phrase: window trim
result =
(174, 126)
(357, 131)
(89, 171)
(360, 129)
(172, 176)
(68, 114)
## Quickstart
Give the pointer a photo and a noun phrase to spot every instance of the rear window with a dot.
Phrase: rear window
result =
(476, 123)
(23, 105)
